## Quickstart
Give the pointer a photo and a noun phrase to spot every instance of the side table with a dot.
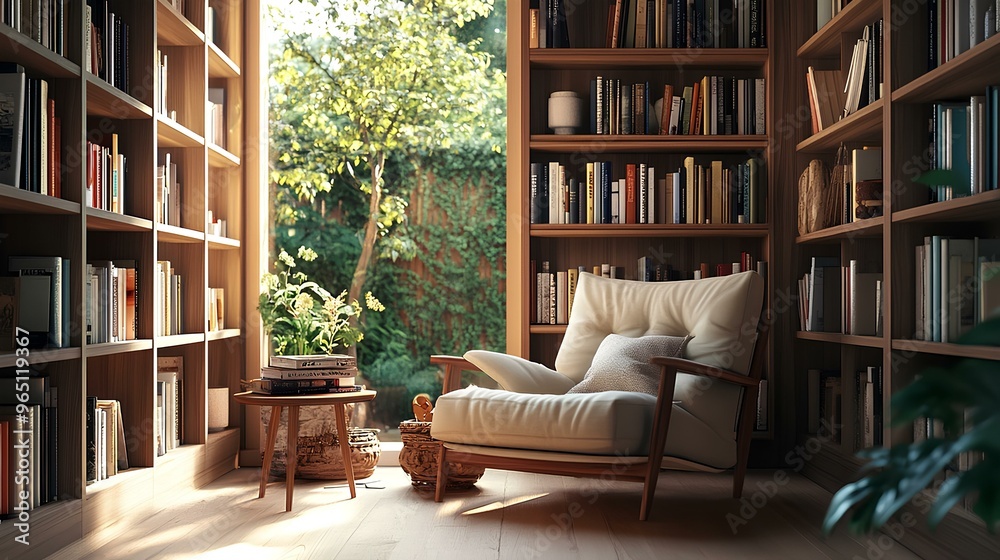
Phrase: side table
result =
(293, 402)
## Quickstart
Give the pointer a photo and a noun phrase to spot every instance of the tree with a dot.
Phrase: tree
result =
(363, 81)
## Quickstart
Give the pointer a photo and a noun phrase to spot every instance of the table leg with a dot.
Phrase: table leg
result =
(293, 454)
(272, 436)
(345, 446)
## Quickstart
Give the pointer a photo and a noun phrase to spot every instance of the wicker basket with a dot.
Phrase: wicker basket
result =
(320, 457)
(419, 459)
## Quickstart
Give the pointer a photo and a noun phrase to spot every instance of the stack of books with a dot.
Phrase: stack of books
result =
(307, 375)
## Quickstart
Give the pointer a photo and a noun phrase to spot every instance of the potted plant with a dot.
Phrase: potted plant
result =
(966, 398)
(302, 317)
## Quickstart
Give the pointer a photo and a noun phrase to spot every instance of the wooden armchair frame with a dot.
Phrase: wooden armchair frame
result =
(647, 471)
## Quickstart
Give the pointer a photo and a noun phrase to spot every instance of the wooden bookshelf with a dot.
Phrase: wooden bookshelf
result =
(826, 42)
(650, 143)
(656, 59)
(872, 227)
(533, 73)
(213, 178)
(836, 338)
(864, 126)
(899, 124)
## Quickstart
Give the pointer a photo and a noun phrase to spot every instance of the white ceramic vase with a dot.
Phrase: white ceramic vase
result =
(565, 112)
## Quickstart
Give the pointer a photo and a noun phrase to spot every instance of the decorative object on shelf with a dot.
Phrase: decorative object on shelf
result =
(218, 409)
(419, 459)
(423, 408)
(964, 397)
(819, 202)
(565, 112)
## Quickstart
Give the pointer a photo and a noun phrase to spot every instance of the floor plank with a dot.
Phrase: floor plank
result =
(506, 516)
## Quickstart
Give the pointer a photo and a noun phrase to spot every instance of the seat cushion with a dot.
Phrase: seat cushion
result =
(622, 363)
(605, 423)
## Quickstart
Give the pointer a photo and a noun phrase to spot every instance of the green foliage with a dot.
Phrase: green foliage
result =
(965, 396)
(401, 103)
(359, 83)
(300, 316)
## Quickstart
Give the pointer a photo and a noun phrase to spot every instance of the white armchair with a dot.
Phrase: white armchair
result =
(699, 418)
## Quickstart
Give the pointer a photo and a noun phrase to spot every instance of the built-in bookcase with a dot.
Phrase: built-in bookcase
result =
(899, 123)
(211, 176)
(533, 75)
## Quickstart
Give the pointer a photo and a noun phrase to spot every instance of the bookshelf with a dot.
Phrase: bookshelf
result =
(898, 122)
(534, 73)
(214, 180)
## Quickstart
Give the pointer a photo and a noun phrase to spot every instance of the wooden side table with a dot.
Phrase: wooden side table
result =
(293, 402)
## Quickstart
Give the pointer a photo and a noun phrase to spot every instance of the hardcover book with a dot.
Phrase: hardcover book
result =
(314, 361)
(12, 84)
(310, 373)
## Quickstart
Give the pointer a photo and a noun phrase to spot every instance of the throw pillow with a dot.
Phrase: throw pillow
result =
(622, 363)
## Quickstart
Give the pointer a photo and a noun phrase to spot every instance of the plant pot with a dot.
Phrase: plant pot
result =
(319, 455)
(419, 459)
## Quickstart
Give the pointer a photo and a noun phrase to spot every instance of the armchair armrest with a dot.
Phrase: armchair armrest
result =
(453, 368)
(698, 368)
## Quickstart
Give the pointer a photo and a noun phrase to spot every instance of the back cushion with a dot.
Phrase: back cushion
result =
(720, 313)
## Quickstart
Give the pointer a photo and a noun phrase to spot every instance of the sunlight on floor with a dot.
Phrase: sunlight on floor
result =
(500, 505)
(242, 550)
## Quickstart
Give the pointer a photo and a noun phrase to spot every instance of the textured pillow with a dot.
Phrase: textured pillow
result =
(622, 363)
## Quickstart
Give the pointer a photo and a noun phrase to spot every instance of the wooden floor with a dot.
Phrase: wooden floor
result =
(509, 515)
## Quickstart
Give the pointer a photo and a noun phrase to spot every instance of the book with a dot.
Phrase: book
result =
(44, 289)
(311, 373)
(288, 384)
(12, 107)
(314, 361)
(9, 288)
(264, 387)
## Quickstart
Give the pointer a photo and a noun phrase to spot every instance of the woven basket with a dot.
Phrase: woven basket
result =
(419, 459)
(320, 457)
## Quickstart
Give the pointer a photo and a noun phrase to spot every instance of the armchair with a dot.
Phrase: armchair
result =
(700, 417)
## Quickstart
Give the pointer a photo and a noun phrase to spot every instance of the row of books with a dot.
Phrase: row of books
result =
(168, 192)
(840, 299)
(44, 21)
(659, 24)
(31, 133)
(215, 125)
(169, 288)
(216, 309)
(307, 375)
(38, 295)
(215, 225)
(167, 423)
(957, 286)
(955, 26)
(107, 452)
(160, 105)
(106, 44)
(712, 105)
(106, 176)
(112, 301)
(27, 482)
(693, 194)
(864, 80)
(553, 291)
(826, 394)
(965, 138)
